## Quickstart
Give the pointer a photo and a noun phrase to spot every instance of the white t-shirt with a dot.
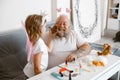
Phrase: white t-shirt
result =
(63, 47)
(38, 47)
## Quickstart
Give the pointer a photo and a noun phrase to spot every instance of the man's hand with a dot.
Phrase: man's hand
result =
(71, 57)
(76, 54)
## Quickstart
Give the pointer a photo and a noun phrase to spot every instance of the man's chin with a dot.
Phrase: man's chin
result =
(61, 35)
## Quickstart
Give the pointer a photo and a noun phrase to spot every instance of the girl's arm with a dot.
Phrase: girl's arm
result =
(49, 42)
(37, 63)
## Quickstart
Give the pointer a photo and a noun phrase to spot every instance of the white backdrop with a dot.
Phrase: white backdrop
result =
(13, 11)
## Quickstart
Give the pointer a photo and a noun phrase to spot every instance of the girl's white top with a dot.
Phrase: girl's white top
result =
(40, 48)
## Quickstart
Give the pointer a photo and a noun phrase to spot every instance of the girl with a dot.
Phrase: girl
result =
(35, 27)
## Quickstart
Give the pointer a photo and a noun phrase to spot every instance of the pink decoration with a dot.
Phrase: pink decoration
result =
(28, 44)
(63, 11)
(68, 10)
(58, 9)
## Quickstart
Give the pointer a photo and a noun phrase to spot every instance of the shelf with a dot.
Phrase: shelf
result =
(113, 8)
(113, 21)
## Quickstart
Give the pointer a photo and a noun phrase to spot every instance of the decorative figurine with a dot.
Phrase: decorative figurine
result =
(106, 50)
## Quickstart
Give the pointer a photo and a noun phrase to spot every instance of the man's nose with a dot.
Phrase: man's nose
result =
(62, 25)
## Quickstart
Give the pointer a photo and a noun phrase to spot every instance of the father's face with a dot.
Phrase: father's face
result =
(62, 26)
(62, 22)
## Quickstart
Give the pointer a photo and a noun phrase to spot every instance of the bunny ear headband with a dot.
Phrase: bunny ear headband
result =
(43, 14)
(28, 43)
(63, 11)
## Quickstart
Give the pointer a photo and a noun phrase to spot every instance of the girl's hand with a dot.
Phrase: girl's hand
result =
(38, 71)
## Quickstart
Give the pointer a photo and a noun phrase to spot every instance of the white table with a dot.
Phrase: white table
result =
(101, 73)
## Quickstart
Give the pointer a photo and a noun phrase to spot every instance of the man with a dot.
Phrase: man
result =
(66, 45)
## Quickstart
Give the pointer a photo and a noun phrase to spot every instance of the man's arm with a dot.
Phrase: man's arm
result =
(83, 50)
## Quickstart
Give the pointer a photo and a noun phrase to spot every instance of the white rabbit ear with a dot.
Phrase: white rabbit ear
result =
(43, 13)
(43, 20)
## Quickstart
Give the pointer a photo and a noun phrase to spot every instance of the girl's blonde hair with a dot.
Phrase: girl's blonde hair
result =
(33, 25)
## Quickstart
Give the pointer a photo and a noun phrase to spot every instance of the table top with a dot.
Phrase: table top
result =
(98, 73)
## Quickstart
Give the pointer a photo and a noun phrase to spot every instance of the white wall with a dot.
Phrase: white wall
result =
(13, 11)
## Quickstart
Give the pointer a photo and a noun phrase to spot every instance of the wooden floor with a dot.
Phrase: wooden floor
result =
(108, 38)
